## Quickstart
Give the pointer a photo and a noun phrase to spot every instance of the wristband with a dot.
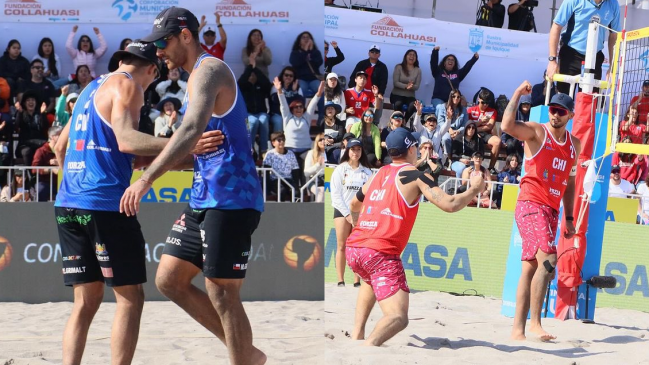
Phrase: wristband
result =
(219, 25)
(569, 218)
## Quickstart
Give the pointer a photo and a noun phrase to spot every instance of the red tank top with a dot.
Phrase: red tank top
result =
(386, 218)
(547, 172)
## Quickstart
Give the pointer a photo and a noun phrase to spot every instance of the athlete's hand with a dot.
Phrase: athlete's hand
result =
(477, 182)
(525, 88)
(130, 202)
(569, 230)
(209, 142)
(349, 219)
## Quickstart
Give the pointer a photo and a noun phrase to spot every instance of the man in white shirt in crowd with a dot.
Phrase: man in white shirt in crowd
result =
(618, 187)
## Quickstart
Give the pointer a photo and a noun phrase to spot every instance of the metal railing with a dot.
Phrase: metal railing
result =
(456, 182)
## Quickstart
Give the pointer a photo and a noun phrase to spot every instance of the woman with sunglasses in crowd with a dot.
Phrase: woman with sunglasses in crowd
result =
(455, 109)
(290, 89)
(464, 147)
(396, 121)
(448, 75)
(85, 53)
(370, 135)
(334, 93)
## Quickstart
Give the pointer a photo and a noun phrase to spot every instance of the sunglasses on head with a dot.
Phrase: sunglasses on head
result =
(162, 43)
(559, 111)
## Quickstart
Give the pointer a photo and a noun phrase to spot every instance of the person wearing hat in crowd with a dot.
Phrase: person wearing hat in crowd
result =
(551, 154)
(334, 92)
(216, 49)
(64, 106)
(337, 153)
(370, 134)
(44, 156)
(376, 71)
(105, 147)
(40, 84)
(31, 124)
(333, 128)
(359, 98)
(432, 131)
(427, 162)
(396, 121)
(18, 190)
(226, 197)
(169, 119)
(641, 102)
(380, 234)
(617, 186)
(330, 62)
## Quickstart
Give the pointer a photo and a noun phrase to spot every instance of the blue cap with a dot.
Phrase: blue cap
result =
(399, 141)
(563, 100)
(354, 142)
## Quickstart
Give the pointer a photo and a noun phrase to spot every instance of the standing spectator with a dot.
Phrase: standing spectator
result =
(306, 59)
(538, 92)
(255, 88)
(464, 147)
(485, 117)
(511, 174)
(432, 132)
(458, 117)
(632, 127)
(345, 182)
(51, 62)
(39, 84)
(427, 162)
(45, 156)
(292, 92)
(82, 77)
(314, 163)
(406, 79)
(576, 15)
(216, 49)
(284, 163)
(333, 128)
(18, 190)
(31, 125)
(641, 102)
(520, 17)
(491, 14)
(14, 68)
(370, 135)
(256, 44)
(375, 70)
(513, 145)
(64, 106)
(359, 98)
(85, 53)
(643, 209)
(618, 187)
(170, 118)
(330, 62)
(113, 64)
(173, 87)
(335, 93)
(447, 75)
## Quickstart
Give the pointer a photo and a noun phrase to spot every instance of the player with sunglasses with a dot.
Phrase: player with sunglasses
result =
(550, 169)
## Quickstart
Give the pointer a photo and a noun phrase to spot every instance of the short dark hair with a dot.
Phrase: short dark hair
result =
(485, 95)
(275, 135)
(35, 61)
(396, 153)
(135, 61)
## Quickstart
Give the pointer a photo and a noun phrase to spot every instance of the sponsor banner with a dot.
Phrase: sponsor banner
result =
(172, 187)
(285, 262)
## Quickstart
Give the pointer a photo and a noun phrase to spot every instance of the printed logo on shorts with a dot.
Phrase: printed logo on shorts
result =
(71, 258)
(173, 241)
(239, 267)
(74, 270)
(179, 224)
(100, 251)
(203, 236)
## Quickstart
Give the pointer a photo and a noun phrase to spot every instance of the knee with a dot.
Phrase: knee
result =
(89, 303)
(223, 296)
(400, 321)
(168, 286)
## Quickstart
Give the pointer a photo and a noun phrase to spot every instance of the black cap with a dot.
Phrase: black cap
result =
(348, 136)
(354, 142)
(399, 141)
(563, 100)
(615, 168)
(645, 83)
(171, 21)
(476, 154)
(145, 51)
(361, 73)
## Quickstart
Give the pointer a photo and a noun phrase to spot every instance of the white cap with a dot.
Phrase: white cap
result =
(332, 75)
(71, 96)
(376, 47)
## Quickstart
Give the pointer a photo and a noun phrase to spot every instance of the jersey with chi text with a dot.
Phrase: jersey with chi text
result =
(386, 219)
(359, 101)
(547, 172)
(226, 178)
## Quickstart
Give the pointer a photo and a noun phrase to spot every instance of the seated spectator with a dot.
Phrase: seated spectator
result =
(643, 209)
(51, 62)
(631, 126)
(358, 99)
(255, 88)
(45, 156)
(475, 167)
(263, 56)
(18, 190)
(339, 152)
(113, 64)
(306, 59)
(618, 187)
(641, 102)
(464, 147)
(82, 78)
(511, 174)
(538, 92)
(633, 168)
(406, 79)
(170, 118)
(485, 117)
(216, 49)
(334, 93)
(522, 115)
(64, 106)
(370, 135)
(455, 107)
(427, 161)
(376, 72)
(333, 128)
(14, 68)
(330, 62)
(292, 92)
(313, 164)
(284, 163)
(396, 121)
(40, 85)
(432, 132)
(173, 87)
(447, 75)
(31, 125)
(85, 53)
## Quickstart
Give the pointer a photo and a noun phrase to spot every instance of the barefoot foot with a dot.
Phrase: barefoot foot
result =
(540, 332)
(518, 336)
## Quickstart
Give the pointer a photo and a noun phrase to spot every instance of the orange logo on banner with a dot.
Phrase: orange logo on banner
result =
(241, 9)
(34, 8)
(5, 253)
(302, 252)
(388, 27)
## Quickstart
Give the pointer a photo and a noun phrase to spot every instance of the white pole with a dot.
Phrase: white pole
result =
(588, 79)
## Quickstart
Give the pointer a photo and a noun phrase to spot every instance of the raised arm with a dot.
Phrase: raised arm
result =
(102, 44)
(68, 43)
(519, 130)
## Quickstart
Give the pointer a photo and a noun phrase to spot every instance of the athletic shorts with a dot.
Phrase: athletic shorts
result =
(338, 214)
(100, 246)
(537, 224)
(216, 241)
(382, 271)
(485, 136)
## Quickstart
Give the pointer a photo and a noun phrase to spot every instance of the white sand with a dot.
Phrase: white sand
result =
(446, 329)
(289, 332)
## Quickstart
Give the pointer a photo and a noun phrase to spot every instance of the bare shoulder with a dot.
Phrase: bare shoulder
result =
(575, 141)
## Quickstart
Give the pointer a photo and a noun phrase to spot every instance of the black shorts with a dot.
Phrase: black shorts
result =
(215, 240)
(100, 246)
(485, 136)
(338, 214)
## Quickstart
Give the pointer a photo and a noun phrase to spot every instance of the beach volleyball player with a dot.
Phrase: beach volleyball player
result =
(213, 234)
(550, 169)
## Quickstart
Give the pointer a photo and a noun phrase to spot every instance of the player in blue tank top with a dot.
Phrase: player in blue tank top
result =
(214, 233)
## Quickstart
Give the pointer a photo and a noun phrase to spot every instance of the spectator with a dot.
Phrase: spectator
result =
(113, 64)
(255, 88)
(292, 92)
(618, 187)
(641, 102)
(370, 135)
(314, 163)
(216, 49)
(396, 121)
(632, 127)
(333, 128)
(82, 78)
(633, 168)
(406, 79)
(52, 63)
(39, 84)
(338, 153)
(5, 103)
(263, 56)
(334, 93)
(346, 180)
(173, 87)
(64, 106)
(485, 117)
(306, 59)
(510, 174)
(491, 14)
(454, 108)
(330, 62)
(538, 92)
(359, 98)
(14, 68)
(284, 163)
(513, 145)
(430, 131)
(475, 168)
(427, 162)
(31, 126)
(464, 147)
(6, 138)
(447, 75)
(18, 190)
(577, 14)
(375, 71)
(170, 118)
(520, 16)
(643, 209)
(45, 156)
(85, 53)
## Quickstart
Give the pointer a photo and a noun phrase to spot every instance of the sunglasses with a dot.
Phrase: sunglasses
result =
(471, 127)
(163, 43)
(559, 111)
(482, 102)
(368, 115)
(375, 51)
(289, 75)
(398, 117)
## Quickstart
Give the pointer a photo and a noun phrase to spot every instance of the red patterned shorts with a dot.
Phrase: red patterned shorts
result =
(537, 224)
(382, 271)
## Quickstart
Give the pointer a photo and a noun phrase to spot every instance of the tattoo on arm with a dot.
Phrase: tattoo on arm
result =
(355, 217)
(435, 196)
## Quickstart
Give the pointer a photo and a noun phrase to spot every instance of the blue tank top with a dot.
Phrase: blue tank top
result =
(227, 178)
(95, 173)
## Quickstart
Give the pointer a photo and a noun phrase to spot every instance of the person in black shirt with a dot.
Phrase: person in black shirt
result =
(491, 14)
(518, 16)
(42, 86)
